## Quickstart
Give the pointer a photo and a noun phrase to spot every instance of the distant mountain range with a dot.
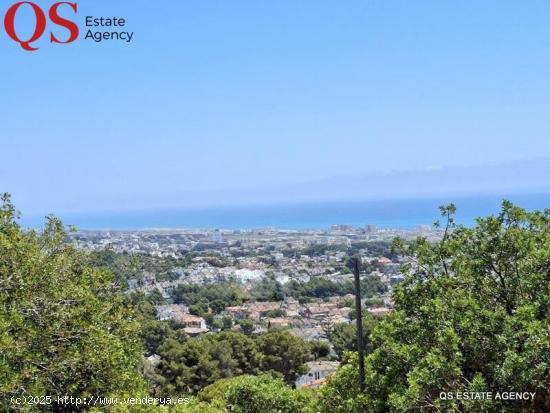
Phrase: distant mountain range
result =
(512, 178)
(520, 177)
(515, 177)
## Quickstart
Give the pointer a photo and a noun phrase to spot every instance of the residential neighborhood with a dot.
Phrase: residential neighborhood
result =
(268, 279)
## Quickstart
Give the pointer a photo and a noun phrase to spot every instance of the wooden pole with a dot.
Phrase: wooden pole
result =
(359, 322)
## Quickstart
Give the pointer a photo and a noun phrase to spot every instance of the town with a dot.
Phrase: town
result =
(209, 281)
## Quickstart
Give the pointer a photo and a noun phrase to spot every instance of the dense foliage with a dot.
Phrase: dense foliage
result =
(320, 287)
(343, 337)
(267, 289)
(64, 327)
(125, 266)
(264, 394)
(189, 365)
(472, 315)
(283, 354)
(208, 297)
(214, 298)
(258, 394)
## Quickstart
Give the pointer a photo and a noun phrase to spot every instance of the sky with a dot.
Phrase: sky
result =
(237, 101)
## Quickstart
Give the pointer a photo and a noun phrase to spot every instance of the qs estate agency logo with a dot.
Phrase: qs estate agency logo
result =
(40, 22)
(26, 23)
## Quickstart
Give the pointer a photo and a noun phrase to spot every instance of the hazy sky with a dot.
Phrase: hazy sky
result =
(215, 95)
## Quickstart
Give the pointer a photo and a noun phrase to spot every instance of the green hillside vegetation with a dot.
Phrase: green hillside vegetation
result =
(473, 314)
(64, 326)
(189, 365)
(125, 266)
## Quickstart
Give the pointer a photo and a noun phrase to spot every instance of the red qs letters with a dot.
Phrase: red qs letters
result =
(39, 28)
(40, 24)
(60, 21)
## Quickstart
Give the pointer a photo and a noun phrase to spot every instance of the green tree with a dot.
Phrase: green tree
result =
(283, 353)
(247, 326)
(65, 329)
(192, 365)
(344, 336)
(268, 289)
(154, 333)
(318, 287)
(265, 394)
(200, 309)
(471, 315)
(276, 313)
(227, 322)
(319, 349)
(341, 393)
(217, 296)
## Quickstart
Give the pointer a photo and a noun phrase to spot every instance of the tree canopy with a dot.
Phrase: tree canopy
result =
(189, 365)
(64, 326)
(471, 315)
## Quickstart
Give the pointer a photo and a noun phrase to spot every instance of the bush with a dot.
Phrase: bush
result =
(65, 329)
(265, 394)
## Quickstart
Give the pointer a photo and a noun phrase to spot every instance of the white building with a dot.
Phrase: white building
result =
(317, 374)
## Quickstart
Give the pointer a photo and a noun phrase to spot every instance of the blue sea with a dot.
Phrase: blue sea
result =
(398, 213)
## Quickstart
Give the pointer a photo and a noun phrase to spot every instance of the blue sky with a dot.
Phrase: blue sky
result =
(231, 96)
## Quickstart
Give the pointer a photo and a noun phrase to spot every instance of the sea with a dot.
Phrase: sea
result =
(395, 213)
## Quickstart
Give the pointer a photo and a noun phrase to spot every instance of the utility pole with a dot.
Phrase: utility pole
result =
(359, 321)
